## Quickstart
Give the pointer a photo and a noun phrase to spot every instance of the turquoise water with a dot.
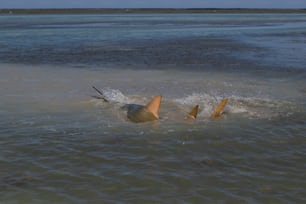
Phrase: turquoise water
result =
(61, 145)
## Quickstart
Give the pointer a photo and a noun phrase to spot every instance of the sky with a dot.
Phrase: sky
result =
(152, 3)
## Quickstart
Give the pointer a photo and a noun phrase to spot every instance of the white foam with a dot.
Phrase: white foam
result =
(115, 95)
(206, 102)
(252, 106)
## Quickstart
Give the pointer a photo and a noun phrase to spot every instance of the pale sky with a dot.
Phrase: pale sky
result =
(152, 3)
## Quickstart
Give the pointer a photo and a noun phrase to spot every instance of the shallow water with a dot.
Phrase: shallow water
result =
(59, 144)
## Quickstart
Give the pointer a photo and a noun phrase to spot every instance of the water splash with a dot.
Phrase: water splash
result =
(173, 108)
(115, 95)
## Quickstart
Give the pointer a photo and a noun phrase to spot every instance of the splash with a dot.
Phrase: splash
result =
(115, 95)
(240, 106)
(252, 107)
(206, 102)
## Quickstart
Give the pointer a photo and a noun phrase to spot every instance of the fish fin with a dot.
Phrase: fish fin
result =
(102, 95)
(218, 110)
(193, 113)
(153, 106)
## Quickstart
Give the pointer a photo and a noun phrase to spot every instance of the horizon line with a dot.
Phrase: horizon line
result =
(147, 10)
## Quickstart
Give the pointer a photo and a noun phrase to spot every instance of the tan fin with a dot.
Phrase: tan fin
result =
(153, 106)
(218, 110)
(193, 113)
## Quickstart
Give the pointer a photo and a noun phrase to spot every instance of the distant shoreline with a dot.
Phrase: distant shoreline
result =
(145, 10)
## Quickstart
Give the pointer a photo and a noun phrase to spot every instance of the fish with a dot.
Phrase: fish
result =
(150, 112)
(219, 109)
(192, 115)
(135, 112)
(139, 113)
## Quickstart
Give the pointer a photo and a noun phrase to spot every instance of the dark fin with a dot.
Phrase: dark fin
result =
(102, 95)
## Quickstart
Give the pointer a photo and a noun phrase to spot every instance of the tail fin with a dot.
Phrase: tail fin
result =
(218, 110)
(153, 106)
(102, 95)
(193, 113)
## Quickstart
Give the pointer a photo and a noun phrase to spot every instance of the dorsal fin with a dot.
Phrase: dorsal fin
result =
(218, 110)
(153, 106)
(193, 113)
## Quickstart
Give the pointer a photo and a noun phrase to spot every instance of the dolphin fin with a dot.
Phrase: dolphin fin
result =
(193, 113)
(218, 110)
(153, 106)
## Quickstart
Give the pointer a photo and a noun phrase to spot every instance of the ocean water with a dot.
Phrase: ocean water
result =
(61, 145)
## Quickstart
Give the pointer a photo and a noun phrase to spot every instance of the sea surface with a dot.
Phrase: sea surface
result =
(60, 144)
